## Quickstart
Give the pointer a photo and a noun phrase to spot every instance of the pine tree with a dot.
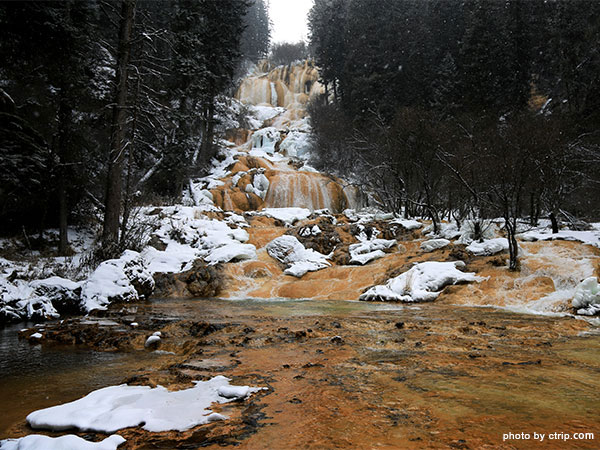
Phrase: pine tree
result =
(257, 32)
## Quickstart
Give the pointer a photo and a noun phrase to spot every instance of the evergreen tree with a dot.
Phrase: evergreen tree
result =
(257, 32)
(49, 53)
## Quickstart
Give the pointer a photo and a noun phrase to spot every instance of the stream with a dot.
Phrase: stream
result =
(339, 373)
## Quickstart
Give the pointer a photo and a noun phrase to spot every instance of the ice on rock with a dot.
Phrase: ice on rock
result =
(68, 442)
(489, 247)
(265, 139)
(587, 297)
(155, 409)
(434, 244)
(296, 145)
(260, 184)
(261, 113)
(298, 259)
(423, 282)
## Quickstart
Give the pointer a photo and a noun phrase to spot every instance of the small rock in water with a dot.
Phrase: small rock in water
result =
(152, 341)
(337, 340)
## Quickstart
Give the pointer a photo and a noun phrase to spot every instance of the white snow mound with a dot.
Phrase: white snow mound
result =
(116, 407)
(298, 259)
(68, 442)
(367, 251)
(423, 282)
(489, 247)
(287, 215)
(434, 244)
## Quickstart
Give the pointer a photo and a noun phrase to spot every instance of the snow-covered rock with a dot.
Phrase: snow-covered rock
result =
(67, 442)
(477, 229)
(298, 259)
(188, 235)
(489, 247)
(369, 250)
(434, 244)
(408, 224)
(155, 409)
(115, 280)
(587, 297)
(287, 215)
(18, 301)
(423, 282)
(233, 251)
(152, 340)
(445, 230)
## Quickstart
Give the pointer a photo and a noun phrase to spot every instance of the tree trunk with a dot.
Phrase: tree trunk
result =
(554, 222)
(63, 212)
(513, 247)
(114, 182)
(64, 159)
(130, 162)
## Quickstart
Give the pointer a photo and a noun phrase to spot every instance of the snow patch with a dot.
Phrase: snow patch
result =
(155, 409)
(423, 282)
(369, 250)
(68, 442)
(489, 247)
(434, 244)
(287, 215)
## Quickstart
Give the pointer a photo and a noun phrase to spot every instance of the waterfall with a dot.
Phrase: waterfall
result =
(305, 190)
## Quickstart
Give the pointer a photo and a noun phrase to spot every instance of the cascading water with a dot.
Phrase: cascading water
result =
(279, 146)
(305, 190)
(286, 86)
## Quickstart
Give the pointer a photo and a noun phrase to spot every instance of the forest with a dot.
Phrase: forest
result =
(461, 109)
(109, 104)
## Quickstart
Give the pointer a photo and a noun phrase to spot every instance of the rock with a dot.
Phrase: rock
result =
(63, 294)
(115, 280)
(338, 340)
(434, 244)
(201, 280)
(322, 238)
(152, 342)
(140, 278)
(298, 259)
